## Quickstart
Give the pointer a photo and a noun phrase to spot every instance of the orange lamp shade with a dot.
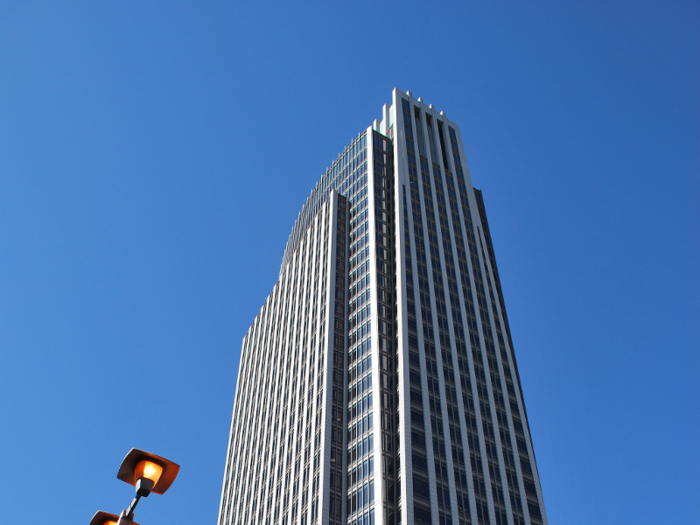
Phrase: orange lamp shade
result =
(105, 518)
(149, 470)
(140, 464)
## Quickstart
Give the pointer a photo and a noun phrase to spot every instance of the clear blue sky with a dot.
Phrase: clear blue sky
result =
(154, 156)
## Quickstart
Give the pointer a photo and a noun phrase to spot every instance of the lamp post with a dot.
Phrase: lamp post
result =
(148, 473)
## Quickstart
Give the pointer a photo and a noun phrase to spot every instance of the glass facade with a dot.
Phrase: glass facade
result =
(378, 384)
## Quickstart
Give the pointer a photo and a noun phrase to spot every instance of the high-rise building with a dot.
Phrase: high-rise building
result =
(378, 383)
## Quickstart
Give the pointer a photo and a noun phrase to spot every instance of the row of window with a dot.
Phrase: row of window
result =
(442, 318)
(267, 334)
(361, 498)
(349, 165)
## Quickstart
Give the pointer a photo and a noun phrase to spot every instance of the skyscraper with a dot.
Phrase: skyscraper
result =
(378, 383)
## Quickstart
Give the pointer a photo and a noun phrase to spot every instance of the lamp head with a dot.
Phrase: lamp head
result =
(105, 518)
(147, 472)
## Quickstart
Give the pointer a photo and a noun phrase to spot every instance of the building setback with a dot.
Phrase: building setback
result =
(378, 383)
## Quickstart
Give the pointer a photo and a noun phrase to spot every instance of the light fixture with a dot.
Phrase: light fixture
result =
(105, 518)
(148, 473)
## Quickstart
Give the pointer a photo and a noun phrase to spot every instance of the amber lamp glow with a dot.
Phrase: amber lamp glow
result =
(149, 470)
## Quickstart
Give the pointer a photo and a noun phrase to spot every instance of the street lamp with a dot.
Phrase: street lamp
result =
(148, 473)
(105, 518)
